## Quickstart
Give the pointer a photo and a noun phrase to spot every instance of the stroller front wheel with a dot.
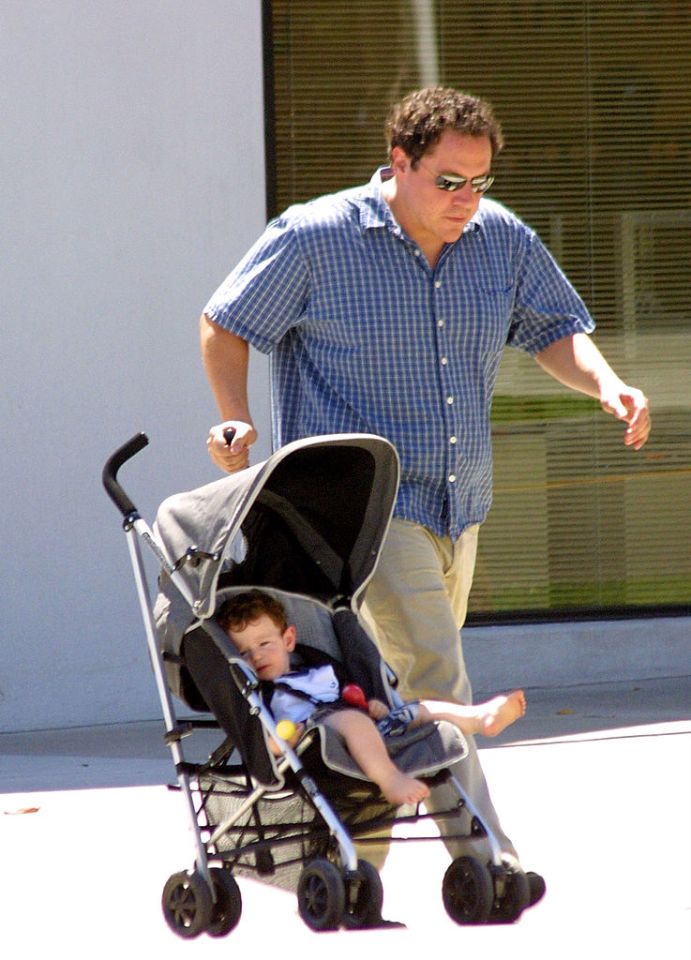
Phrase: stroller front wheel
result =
(365, 897)
(321, 895)
(187, 905)
(227, 909)
(468, 891)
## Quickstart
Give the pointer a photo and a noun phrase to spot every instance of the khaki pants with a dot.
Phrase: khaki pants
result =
(415, 606)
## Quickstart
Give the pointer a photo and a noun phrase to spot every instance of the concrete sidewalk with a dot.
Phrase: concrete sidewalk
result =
(594, 786)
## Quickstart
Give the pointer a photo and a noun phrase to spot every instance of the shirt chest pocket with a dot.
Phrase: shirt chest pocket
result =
(496, 287)
(479, 317)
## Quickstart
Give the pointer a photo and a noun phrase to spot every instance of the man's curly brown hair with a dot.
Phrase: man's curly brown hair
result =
(417, 123)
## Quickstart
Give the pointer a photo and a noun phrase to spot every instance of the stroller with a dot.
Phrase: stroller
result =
(305, 525)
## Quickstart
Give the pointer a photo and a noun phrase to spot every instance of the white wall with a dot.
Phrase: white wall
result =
(132, 180)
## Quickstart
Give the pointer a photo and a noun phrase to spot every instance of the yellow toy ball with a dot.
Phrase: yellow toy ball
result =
(286, 729)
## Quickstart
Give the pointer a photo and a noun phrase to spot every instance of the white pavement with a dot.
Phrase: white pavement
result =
(599, 805)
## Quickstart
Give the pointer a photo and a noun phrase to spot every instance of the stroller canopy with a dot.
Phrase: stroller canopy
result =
(310, 519)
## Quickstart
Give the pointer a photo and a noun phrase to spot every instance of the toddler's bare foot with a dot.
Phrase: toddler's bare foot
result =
(499, 712)
(398, 788)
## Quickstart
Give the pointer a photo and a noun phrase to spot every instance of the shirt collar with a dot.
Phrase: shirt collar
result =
(374, 210)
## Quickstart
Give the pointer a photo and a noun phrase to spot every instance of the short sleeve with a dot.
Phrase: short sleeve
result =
(547, 308)
(265, 295)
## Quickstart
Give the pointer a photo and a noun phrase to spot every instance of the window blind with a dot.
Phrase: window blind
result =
(594, 98)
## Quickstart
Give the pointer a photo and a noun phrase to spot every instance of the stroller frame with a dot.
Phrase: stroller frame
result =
(208, 899)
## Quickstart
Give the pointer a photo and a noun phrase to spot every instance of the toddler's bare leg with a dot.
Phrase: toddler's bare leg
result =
(366, 747)
(488, 718)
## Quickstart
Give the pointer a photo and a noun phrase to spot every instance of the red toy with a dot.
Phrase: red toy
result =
(353, 695)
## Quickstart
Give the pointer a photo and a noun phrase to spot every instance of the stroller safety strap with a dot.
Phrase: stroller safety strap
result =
(293, 695)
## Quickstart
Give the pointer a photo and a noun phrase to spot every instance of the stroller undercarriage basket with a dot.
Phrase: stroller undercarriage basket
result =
(300, 819)
(284, 829)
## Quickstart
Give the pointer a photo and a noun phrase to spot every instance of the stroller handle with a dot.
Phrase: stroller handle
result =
(110, 473)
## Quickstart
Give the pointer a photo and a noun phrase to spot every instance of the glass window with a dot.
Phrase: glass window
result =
(595, 101)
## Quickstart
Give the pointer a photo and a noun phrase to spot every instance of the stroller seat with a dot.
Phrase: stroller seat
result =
(339, 637)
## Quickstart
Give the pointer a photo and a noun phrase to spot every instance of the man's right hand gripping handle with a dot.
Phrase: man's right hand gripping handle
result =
(228, 444)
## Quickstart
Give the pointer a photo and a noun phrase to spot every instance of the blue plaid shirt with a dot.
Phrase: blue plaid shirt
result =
(365, 337)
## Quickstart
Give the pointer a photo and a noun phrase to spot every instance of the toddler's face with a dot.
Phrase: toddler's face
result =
(265, 647)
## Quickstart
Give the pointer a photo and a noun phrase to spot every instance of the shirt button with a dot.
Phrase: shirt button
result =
(440, 323)
(444, 361)
(452, 478)
(416, 252)
(453, 439)
(437, 283)
(449, 400)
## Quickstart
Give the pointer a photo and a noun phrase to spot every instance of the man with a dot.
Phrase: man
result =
(386, 309)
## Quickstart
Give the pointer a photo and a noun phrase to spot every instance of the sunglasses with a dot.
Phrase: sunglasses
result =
(450, 182)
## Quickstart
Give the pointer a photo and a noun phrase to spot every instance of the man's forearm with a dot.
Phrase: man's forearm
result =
(226, 361)
(577, 363)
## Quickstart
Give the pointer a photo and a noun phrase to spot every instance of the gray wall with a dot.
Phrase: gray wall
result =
(132, 180)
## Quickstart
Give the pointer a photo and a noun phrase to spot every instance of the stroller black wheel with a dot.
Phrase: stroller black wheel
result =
(364, 897)
(516, 897)
(227, 910)
(321, 895)
(467, 891)
(187, 905)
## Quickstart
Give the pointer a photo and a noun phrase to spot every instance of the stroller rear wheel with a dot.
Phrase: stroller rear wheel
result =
(467, 891)
(187, 905)
(321, 895)
(364, 897)
(514, 900)
(227, 909)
